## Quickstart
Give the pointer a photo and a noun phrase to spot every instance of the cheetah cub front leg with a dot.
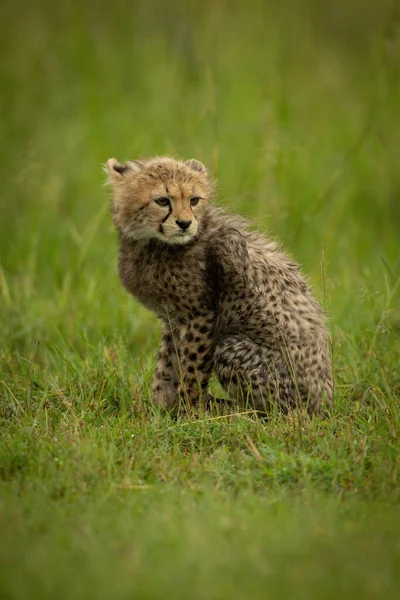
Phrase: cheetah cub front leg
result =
(196, 363)
(184, 364)
(165, 382)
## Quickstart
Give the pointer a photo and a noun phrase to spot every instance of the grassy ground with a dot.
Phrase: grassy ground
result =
(297, 114)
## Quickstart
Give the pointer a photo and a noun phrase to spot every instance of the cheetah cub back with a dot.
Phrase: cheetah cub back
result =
(230, 301)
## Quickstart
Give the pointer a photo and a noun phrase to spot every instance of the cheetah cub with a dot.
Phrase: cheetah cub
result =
(230, 301)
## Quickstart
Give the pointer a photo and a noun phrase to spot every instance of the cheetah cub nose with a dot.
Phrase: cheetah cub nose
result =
(183, 224)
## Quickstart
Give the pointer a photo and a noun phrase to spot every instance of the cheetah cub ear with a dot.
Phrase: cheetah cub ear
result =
(196, 165)
(116, 171)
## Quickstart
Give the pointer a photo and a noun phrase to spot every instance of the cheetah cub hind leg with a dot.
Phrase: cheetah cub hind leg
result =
(252, 377)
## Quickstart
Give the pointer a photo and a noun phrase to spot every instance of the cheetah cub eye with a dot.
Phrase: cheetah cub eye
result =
(160, 198)
(162, 201)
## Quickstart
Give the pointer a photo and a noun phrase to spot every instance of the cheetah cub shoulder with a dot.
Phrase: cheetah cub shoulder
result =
(230, 301)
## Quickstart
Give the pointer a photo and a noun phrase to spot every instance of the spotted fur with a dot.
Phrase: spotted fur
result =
(231, 302)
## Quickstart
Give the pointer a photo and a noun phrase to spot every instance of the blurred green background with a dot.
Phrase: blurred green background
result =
(295, 108)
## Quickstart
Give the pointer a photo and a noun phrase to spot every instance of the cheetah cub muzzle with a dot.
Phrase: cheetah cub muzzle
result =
(230, 301)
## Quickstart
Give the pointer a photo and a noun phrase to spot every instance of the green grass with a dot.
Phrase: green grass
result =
(296, 112)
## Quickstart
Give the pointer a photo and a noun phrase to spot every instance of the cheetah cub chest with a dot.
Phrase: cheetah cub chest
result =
(230, 301)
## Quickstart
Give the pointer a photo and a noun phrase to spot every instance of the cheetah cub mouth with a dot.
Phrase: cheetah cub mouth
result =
(160, 199)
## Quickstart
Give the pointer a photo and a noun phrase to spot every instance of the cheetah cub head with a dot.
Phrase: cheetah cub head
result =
(159, 198)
